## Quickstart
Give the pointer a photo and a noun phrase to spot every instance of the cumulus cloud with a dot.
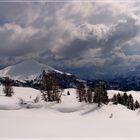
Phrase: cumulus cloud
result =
(91, 38)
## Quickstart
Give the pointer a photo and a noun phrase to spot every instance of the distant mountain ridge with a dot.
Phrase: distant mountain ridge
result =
(29, 72)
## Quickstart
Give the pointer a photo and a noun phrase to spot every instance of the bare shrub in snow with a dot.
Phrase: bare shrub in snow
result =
(22, 101)
(111, 116)
(8, 90)
(36, 100)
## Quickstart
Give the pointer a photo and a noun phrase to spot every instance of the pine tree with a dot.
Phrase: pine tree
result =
(114, 99)
(81, 92)
(125, 98)
(136, 105)
(68, 93)
(130, 102)
(56, 92)
(8, 90)
(100, 94)
(119, 98)
(89, 95)
(49, 88)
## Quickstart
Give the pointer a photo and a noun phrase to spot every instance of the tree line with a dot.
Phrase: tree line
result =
(86, 93)
(51, 91)
(49, 87)
(126, 100)
(98, 94)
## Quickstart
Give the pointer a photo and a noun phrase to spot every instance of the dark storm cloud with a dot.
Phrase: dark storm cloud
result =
(97, 37)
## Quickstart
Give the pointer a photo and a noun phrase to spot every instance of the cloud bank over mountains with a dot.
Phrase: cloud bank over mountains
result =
(92, 39)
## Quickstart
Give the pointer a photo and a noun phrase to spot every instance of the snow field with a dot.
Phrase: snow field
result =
(68, 119)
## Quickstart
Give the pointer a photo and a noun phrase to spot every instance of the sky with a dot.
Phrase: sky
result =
(92, 39)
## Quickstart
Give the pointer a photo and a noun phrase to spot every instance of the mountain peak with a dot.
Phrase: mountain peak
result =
(27, 61)
(30, 64)
(27, 70)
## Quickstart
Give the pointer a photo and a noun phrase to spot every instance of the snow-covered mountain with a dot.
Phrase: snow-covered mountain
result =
(29, 74)
(26, 70)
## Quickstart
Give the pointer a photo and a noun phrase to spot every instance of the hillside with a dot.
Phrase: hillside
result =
(69, 118)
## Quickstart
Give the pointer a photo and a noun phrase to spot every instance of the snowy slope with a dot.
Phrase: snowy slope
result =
(27, 94)
(26, 70)
(68, 119)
